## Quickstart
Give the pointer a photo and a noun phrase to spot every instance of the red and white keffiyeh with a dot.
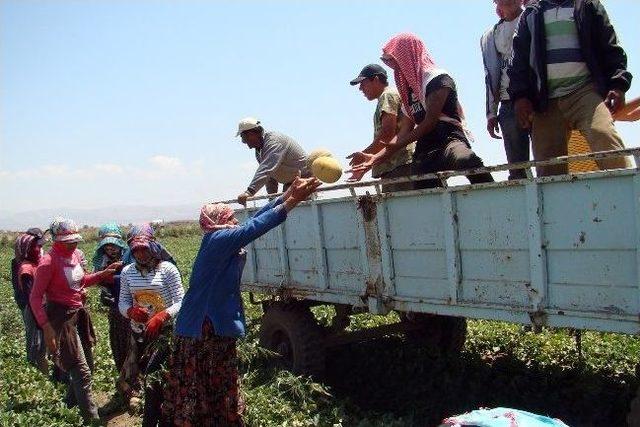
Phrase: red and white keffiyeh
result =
(413, 68)
(411, 64)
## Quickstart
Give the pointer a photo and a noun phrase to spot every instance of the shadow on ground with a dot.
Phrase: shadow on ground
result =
(390, 375)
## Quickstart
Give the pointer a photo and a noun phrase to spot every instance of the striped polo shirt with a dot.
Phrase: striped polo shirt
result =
(159, 289)
(566, 69)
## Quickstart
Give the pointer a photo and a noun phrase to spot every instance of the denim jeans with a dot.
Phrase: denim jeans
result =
(36, 349)
(516, 139)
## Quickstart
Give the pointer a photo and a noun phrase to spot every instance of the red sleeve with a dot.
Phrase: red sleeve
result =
(25, 269)
(91, 279)
(41, 283)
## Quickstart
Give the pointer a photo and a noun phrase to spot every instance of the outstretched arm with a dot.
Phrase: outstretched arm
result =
(408, 134)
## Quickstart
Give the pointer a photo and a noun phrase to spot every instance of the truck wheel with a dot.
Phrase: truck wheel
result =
(291, 331)
(445, 333)
(341, 320)
(633, 417)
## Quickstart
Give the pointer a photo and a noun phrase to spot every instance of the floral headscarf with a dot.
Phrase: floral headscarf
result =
(65, 230)
(216, 216)
(23, 245)
(144, 229)
(158, 251)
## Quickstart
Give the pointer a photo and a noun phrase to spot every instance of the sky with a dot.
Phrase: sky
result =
(113, 103)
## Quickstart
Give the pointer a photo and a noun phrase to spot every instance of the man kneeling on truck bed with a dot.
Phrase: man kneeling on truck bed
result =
(280, 157)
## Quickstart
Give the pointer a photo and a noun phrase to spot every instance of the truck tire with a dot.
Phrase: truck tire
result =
(290, 330)
(633, 417)
(445, 333)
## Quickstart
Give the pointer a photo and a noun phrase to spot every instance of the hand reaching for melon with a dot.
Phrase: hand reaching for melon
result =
(301, 188)
(361, 163)
(357, 158)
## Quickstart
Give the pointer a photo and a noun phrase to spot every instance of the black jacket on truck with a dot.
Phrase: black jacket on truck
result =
(604, 57)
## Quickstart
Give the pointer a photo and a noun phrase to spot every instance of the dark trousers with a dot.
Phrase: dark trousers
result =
(154, 389)
(455, 155)
(79, 385)
(515, 138)
(119, 331)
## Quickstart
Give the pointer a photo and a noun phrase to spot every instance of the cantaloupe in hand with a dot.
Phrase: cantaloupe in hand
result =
(326, 169)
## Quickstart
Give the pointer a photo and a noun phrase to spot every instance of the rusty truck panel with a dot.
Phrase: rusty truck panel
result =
(559, 251)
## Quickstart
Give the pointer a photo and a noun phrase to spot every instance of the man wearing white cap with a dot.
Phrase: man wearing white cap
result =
(279, 156)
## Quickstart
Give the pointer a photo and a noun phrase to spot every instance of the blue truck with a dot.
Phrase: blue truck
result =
(560, 251)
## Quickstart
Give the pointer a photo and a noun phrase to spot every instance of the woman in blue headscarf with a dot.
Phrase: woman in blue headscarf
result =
(110, 249)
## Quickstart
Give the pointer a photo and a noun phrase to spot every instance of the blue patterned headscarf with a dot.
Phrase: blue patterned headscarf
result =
(109, 234)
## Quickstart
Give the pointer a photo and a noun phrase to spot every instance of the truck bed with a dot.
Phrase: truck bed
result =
(558, 251)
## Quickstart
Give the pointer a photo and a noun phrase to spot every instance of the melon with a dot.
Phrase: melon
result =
(316, 154)
(326, 169)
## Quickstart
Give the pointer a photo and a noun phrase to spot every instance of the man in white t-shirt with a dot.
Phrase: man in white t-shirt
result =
(497, 54)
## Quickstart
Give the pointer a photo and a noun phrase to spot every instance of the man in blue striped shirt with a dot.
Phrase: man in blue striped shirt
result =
(568, 73)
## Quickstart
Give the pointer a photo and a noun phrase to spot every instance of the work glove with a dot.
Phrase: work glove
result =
(138, 314)
(154, 325)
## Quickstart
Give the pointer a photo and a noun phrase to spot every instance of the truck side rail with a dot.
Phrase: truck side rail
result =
(444, 175)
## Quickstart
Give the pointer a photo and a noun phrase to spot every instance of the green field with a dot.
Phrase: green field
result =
(387, 381)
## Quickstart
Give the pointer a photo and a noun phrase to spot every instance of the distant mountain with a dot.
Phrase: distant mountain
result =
(15, 221)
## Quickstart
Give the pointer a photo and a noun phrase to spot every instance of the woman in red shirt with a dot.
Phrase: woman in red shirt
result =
(28, 248)
(68, 332)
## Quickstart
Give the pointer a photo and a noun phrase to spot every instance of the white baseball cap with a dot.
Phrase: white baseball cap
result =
(247, 123)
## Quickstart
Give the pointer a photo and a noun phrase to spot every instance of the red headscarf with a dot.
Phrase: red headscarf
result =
(216, 216)
(140, 242)
(23, 247)
(412, 63)
(412, 66)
